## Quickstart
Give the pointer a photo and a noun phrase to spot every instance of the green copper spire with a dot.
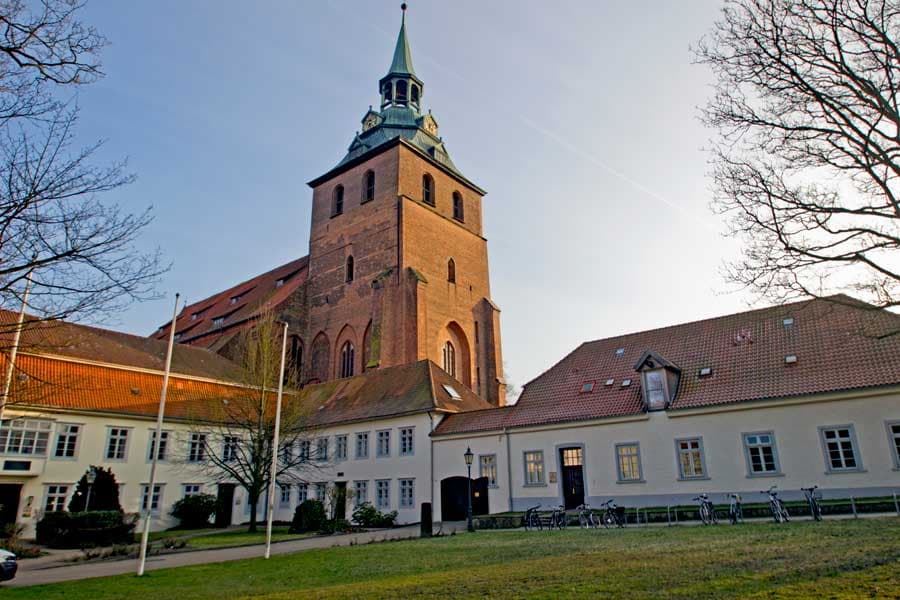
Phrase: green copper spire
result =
(402, 63)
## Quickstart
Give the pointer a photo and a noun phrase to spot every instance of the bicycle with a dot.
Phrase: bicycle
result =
(776, 506)
(735, 510)
(558, 518)
(586, 517)
(532, 520)
(707, 510)
(613, 514)
(812, 498)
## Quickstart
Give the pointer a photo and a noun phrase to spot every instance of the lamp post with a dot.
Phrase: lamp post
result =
(91, 477)
(469, 457)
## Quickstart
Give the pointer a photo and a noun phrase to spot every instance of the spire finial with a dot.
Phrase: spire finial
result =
(403, 8)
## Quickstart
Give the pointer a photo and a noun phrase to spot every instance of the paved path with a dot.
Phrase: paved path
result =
(36, 573)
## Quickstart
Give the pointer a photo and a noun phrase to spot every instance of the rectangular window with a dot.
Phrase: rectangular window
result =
(762, 457)
(230, 448)
(362, 445)
(407, 493)
(407, 441)
(839, 444)
(25, 436)
(383, 494)
(116, 443)
(197, 447)
(304, 450)
(302, 493)
(360, 492)
(66, 440)
(321, 491)
(894, 440)
(287, 453)
(656, 389)
(340, 447)
(56, 498)
(628, 462)
(534, 467)
(163, 445)
(322, 449)
(191, 489)
(487, 467)
(285, 498)
(384, 443)
(691, 462)
(154, 500)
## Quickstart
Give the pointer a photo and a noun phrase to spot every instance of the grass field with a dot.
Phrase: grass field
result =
(834, 559)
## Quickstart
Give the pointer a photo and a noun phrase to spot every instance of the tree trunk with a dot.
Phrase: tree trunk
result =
(253, 499)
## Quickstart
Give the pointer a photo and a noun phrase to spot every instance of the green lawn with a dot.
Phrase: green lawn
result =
(834, 559)
(242, 538)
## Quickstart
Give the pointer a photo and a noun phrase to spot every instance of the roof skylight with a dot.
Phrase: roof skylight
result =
(626, 382)
(587, 387)
(788, 322)
(790, 359)
(620, 351)
(705, 372)
(610, 381)
(452, 391)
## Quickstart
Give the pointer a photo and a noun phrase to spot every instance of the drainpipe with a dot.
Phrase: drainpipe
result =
(508, 469)
(431, 464)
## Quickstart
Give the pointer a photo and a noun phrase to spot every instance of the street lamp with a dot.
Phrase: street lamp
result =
(91, 477)
(469, 457)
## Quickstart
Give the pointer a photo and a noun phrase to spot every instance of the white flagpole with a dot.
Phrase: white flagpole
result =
(7, 384)
(145, 536)
(275, 446)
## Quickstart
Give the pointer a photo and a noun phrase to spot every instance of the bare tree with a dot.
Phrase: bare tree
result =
(81, 250)
(236, 436)
(805, 161)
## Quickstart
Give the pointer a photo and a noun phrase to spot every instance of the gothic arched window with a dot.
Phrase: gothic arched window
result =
(348, 271)
(337, 206)
(414, 93)
(428, 189)
(347, 354)
(401, 92)
(451, 271)
(450, 358)
(458, 210)
(369, 186)
(296, 363)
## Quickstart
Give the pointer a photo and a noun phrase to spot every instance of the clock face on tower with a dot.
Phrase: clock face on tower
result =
(430, 125)
(370, 122)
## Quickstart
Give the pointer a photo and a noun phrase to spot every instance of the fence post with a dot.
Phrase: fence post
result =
(896, 505)
(676, 515)
(669, 513)
(853, 506)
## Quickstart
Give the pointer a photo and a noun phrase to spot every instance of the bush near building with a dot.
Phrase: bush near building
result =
(194, 512)
(86, 529)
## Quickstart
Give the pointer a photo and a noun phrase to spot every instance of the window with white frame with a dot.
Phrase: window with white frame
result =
(407, 493)
(487, 467)
(894, 435)
(839, 444)
(383, 494)
(302, 492)
(321, 491)
(287, 452)
(304, 450)
(25, 436)
(534, 467)
(197, 447)
(360, 492)
(230, 448)
(691, 463)
(163, 445)
(383, 447)
(362, 445)
(66, 440)
(285, 497)
(191, 489)
(322, 449)
(116, 443)
(56, 498)
(628, 462)
(154, 499)
(340, 447)
(655, 389)
(762, 457)
(407, 441)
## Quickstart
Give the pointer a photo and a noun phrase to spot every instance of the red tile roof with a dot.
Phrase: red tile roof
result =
(840, 344)
(237, 304)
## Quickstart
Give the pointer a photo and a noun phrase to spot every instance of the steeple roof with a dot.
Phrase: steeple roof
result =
(402, 62)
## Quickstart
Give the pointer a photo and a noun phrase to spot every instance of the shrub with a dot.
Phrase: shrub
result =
(336, 526)
(194, 512)
(104, 492)
(85, 529)
(309, 516)
(367, 515)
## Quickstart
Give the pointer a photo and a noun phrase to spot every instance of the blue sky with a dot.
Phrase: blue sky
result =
(579, 118)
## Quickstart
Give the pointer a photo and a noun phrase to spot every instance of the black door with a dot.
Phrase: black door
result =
(9, 502)
(454, 491)
(224, 504)
(572, 461)
(340, 500)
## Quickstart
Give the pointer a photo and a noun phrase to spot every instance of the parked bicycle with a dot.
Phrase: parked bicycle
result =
(532, 520)
(812, 499)
(613, 514)
(776, 506)
(707, 510)
(586, 517)
(558, 518)
(735, 510)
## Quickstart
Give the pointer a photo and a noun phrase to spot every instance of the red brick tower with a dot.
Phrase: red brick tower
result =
(398, 268)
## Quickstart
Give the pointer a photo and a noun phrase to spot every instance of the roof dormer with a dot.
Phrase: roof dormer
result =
(659, 380)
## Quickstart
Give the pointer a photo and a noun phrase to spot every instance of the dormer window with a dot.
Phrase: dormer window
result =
(655, 391)
(235, 300)
(218, 321)
(587, 387)
(279, 283)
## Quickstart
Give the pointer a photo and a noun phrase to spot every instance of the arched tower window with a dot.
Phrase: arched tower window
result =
(337, 205)
(414, 94)
(451, 271)
(348, 270)
(401, 92)
(428, 189)
(369, 186)
(458, 210)
(296, 364)
(347, 355)
(388, 96)
(450, 358)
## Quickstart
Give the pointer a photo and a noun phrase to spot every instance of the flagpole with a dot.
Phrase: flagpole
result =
(7, 384)
(154, 444)
(275, 446)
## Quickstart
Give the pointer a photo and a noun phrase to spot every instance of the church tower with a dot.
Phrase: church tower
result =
(398, 266)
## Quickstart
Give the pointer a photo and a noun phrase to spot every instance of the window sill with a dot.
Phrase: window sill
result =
(495, 486)
(842, 471)
(698, 478)
(623, 481)
(534, 485)
(763, 475)
(335, 215)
